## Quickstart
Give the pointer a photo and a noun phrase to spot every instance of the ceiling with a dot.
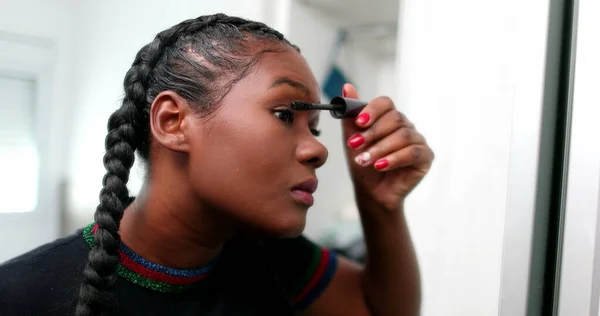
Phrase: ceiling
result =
(371, 24)
(358, 12)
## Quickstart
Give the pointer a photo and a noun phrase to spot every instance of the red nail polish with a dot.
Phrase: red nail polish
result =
(381, 163)
(363, 119)
(344, 91)
(356, 141)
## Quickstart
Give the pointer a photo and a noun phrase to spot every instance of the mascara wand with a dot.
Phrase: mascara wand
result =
(339, 107)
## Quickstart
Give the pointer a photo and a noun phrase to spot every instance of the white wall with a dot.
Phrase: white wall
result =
(47, 27)
(50, 21)
(460, 65)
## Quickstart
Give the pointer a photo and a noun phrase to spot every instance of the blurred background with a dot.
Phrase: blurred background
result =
(505, 92)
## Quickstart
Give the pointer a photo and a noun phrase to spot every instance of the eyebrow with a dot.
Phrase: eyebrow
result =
(291, 82)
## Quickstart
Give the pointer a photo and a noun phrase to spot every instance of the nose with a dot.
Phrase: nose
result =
(311, 152)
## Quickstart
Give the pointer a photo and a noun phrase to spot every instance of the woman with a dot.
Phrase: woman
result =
(216, 230)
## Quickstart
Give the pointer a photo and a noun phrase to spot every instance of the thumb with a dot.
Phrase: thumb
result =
(348, 124)
(349, 91)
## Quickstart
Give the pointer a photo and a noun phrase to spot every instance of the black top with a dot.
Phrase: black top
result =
(250, 277)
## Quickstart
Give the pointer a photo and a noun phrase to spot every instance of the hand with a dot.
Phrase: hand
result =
(386, 155)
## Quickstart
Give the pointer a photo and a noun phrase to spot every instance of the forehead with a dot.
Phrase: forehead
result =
(279, 75)
(287, 67)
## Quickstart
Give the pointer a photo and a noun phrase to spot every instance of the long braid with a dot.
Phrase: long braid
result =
(120, 144)
(163, 64)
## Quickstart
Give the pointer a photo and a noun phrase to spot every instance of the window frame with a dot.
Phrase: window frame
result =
(34, 58)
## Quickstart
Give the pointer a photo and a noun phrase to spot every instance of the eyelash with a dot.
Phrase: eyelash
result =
(289, 119)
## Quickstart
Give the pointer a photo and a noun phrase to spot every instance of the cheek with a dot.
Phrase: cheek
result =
(245, 173)
(250, 161)
(243, 152)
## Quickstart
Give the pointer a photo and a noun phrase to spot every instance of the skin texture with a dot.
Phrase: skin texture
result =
(232, 173)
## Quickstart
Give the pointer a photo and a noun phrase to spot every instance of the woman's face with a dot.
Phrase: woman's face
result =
(254, 160)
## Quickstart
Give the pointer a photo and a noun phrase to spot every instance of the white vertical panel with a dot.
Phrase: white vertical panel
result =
(471, 76)
(277, 14)
(580, 271)
(18, 148)
(528, 62)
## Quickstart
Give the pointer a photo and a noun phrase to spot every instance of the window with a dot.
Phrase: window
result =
(19, 169)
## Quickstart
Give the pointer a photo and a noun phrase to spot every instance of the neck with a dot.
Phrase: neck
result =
(162, 226)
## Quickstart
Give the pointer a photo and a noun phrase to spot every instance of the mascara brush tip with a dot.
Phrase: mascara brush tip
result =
(301, 105)
(307, 106)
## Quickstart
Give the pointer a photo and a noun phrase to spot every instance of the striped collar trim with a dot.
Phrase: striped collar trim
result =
(142, 272)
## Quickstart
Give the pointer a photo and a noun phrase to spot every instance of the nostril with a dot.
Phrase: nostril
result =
(313, 160)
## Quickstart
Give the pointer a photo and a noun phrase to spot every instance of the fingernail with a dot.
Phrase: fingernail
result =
(363, 158)
(356, 141)
(363, 118)
(381, 163)
(344, 91)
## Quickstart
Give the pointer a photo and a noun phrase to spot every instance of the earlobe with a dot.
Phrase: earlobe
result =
(167, 115)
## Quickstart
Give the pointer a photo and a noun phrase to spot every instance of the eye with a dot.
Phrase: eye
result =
(286, 115)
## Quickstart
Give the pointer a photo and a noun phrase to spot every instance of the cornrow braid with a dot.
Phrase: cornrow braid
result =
(200, 59)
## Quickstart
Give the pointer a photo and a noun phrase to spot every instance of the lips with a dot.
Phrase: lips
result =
(309, 186)
(302, 192)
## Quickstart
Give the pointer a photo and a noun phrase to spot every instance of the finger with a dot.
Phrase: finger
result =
(369, 114)
(349, 126)
(376, 109)
(349, 91)
(372, 112)
(394, 142)
(418, 156)
(389, 123)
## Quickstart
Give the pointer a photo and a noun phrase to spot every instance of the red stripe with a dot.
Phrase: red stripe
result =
(155, 275)
(150, 274)
(315, 278)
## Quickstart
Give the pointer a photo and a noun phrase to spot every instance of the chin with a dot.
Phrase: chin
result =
(290, 225)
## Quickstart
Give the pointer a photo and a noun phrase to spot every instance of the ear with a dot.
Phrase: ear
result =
(168, 114)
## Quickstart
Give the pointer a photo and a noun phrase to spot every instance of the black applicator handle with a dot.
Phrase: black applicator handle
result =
(351, 107)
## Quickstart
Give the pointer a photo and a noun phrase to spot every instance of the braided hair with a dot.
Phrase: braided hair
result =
(200, 59)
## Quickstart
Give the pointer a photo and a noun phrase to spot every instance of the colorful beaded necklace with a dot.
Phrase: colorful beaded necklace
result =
(150, 275)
